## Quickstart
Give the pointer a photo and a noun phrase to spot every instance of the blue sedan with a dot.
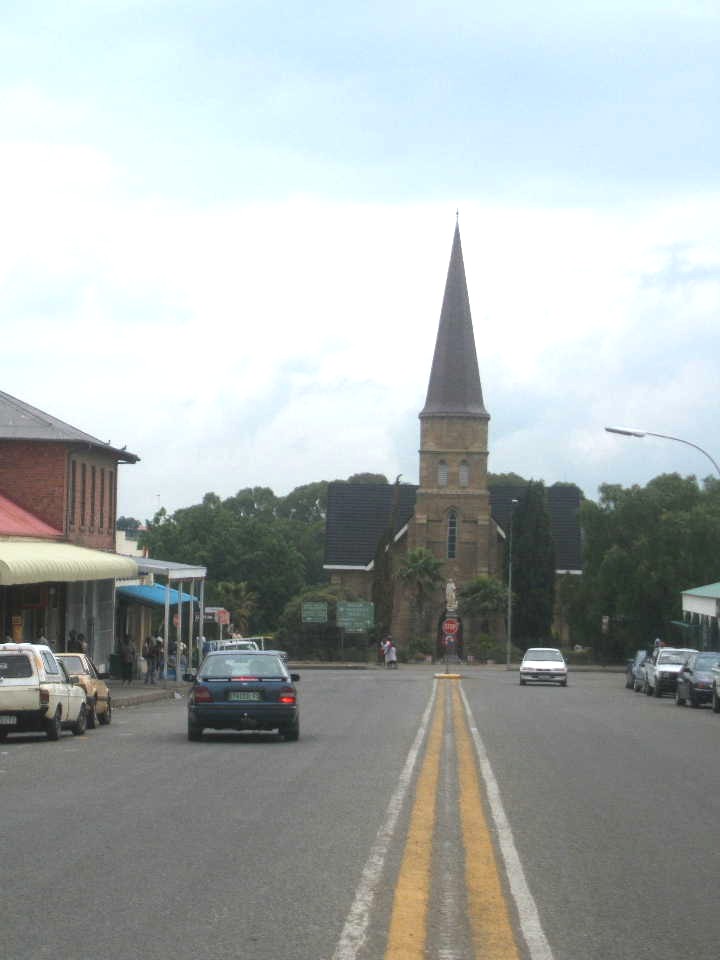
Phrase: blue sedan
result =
(243, 690)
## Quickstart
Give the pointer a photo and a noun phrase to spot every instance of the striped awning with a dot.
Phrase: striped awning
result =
(40, 561)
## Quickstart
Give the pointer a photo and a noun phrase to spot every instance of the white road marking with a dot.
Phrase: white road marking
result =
(532, 930)
(354, 931)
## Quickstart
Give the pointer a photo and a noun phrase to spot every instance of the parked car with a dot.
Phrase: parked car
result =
(695, 680)
(243, 690)
(543, 664)
(634, 671)
(715, 693)
(97, 693)
(36, 693)
(662, 669)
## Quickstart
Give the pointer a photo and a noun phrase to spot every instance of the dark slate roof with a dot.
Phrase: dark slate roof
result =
(358, 514)
(563, 507)
(20, 421)
(454, 388)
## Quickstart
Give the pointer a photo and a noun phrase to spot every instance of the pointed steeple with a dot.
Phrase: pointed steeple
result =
(454, 389)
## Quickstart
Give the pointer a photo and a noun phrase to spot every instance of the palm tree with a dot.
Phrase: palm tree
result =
(239, 599)
(419, 570)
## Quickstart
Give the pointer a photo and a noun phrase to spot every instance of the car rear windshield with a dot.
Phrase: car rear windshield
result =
(73, 664)
(15, 666)
(219, 666)
(543, 655)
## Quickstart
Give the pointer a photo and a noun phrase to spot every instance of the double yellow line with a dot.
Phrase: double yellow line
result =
(488, 913)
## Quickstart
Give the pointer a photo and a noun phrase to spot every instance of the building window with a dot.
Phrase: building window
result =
(102, 498)
(72, 493)
(111, 500)
(442, 474)
(464, 475)
(83, 493)
(93, 490)
(452, 535)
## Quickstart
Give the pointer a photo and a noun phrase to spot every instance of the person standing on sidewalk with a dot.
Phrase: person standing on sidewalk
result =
(148, 652)
(127, 656)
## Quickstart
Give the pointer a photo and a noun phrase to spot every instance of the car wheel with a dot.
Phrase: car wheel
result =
(680, 701)
(715, 701)
(92, 718)
(692, 697)
(522, 682)
(647, 689)
(563, 683)
(53, 726)
(194, 731)
(291, 733)
(3, 735)
(80, 725)
(657, 692)
(106, 716)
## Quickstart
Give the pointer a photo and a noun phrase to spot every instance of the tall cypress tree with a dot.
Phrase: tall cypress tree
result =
(533, 568)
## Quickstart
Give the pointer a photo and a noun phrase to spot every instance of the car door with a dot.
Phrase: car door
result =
(56, 679)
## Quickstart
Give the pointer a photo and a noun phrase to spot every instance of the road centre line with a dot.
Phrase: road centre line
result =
(408, 923)
(354, 931)
(527, 911)
(488, 912)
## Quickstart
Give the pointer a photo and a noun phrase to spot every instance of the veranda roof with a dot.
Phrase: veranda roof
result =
(40, 561)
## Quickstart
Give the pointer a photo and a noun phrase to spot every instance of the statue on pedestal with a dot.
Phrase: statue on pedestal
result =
(450, 596)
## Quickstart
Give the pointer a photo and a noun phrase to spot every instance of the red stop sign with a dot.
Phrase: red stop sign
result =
(451, 625)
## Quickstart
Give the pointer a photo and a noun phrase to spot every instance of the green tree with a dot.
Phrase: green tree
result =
(533, 567)
(483, 597)
(420, 571)
(239, 599)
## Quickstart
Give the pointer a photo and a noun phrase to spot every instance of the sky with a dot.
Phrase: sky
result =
(225, 230)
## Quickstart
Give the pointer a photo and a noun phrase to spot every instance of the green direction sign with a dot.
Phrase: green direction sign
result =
(314, 612)
(355, 617)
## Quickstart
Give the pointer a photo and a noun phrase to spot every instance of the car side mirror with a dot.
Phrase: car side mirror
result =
(189, 677)
(294, 677)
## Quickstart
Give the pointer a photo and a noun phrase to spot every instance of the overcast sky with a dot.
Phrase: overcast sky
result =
(225, 229)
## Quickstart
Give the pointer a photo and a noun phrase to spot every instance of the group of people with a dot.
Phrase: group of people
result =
(389, 652)
(152, 654)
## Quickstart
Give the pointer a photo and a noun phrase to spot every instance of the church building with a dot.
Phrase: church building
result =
(451, 513)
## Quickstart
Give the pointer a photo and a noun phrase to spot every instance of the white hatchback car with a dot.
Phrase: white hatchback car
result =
(543, 665)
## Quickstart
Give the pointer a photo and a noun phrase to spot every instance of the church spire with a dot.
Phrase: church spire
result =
(454, 389)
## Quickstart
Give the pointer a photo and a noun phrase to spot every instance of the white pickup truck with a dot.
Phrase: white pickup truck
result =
(662, 669)
(37, 694)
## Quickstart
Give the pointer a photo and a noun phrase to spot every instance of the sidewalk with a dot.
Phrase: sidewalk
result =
(141, 692)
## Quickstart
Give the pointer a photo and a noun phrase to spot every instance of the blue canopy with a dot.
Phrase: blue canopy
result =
(154, 596)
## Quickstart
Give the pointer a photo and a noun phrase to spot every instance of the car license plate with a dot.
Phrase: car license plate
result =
(8, 721)
(243, 695)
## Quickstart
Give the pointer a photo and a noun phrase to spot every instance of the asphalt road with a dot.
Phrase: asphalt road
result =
(131, 842)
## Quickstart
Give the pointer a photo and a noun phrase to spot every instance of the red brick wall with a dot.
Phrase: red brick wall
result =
(33, 475)
(36, 475)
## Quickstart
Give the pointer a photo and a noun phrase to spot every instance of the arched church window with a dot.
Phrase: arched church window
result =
(442, 474)
(452, 534)
(464, 474)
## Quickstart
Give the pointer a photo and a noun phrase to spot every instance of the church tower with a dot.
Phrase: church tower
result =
(452, 509)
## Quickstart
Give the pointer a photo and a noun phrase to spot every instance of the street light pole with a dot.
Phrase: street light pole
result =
(509, 599)
(663, 436)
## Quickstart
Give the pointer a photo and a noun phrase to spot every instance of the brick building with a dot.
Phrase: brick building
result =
(58, 504)
(452, 512)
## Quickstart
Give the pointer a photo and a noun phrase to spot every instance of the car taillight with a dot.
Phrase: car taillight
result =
(287, 698)
(44, 696)
(202, 695)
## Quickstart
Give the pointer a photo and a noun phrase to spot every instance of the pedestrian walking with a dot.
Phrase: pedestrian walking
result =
(127, 656)
(150, 655)
(390, 655)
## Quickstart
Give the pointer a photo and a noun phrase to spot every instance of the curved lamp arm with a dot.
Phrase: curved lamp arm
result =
(663, 436)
